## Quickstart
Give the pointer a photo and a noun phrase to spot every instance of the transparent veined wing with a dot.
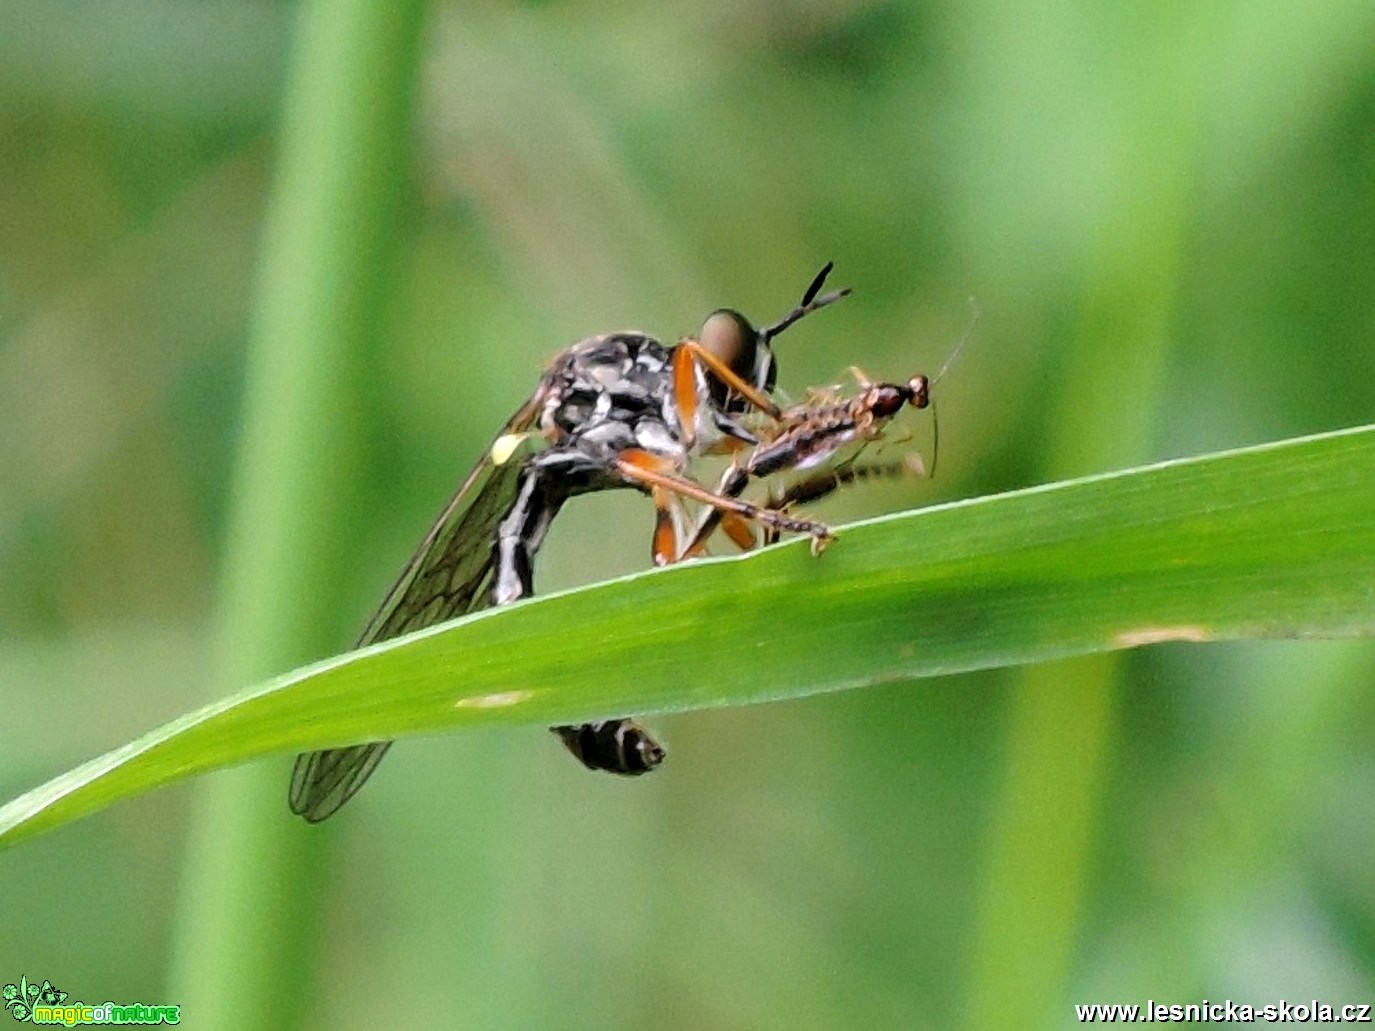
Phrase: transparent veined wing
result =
(448, 576)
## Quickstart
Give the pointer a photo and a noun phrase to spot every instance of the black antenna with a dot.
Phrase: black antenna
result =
(810, 303)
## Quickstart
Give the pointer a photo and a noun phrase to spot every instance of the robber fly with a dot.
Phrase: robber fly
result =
(612, 411)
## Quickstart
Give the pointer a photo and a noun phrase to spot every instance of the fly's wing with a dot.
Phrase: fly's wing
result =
(448, 576)
(323, 781)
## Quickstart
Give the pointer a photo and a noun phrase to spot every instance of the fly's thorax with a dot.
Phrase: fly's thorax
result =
(613, 392)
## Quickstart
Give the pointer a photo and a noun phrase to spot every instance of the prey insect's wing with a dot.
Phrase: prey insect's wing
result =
(449, 575)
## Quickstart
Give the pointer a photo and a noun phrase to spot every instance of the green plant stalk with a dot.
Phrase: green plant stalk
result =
(245, 908)
(1062, 716)
(1265, 542)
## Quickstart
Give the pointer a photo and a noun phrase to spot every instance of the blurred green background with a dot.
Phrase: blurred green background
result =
(1166, 214)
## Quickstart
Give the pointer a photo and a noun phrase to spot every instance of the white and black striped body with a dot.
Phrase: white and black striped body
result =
(602, 398)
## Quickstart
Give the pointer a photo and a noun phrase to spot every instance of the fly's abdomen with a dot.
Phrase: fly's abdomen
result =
(616, 746)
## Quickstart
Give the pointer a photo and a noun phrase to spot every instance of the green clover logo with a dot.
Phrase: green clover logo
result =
(21, 998)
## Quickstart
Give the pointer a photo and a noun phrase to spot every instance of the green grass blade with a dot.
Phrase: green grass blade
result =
(247, 905)
(1271, 541)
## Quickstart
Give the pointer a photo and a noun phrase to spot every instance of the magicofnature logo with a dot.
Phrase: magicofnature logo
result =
(47, 1004)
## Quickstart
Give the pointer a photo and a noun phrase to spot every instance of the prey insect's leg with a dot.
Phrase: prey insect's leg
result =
(806, 491)
(827, 481)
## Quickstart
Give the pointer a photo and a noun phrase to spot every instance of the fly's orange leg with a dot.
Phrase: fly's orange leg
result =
(685, 392)
(723, 372)
(736, 527)
(739, 531)
(735, 479)
(665, 545)
(652, 472)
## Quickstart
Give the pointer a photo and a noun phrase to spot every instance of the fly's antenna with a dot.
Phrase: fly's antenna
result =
(935, 420)
(810, 303)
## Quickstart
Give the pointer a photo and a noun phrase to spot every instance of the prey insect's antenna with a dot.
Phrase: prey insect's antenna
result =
(935, 420)
(968, 332)
(810, 303)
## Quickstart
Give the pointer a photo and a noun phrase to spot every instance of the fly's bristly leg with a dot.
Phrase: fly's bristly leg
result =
(642, 470)
(522, 531)
(729, 378)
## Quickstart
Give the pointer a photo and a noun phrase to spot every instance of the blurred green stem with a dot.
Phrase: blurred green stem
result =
(1062, 715)
(251, 879)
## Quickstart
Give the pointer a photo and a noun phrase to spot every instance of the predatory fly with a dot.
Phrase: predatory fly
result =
(612, 411)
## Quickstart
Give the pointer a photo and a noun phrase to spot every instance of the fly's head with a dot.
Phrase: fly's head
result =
(728, 336)
(747, 352)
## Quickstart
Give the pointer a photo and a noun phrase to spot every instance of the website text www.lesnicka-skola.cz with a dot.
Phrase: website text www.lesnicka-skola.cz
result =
(1223, 1012)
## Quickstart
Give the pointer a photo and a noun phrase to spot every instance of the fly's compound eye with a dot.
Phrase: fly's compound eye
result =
(728, 336)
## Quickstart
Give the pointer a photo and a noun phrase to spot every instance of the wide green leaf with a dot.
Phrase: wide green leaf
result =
(1270, 541)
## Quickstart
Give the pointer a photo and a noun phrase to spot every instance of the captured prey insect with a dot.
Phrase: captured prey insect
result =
(612, 411)
(809, 437)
